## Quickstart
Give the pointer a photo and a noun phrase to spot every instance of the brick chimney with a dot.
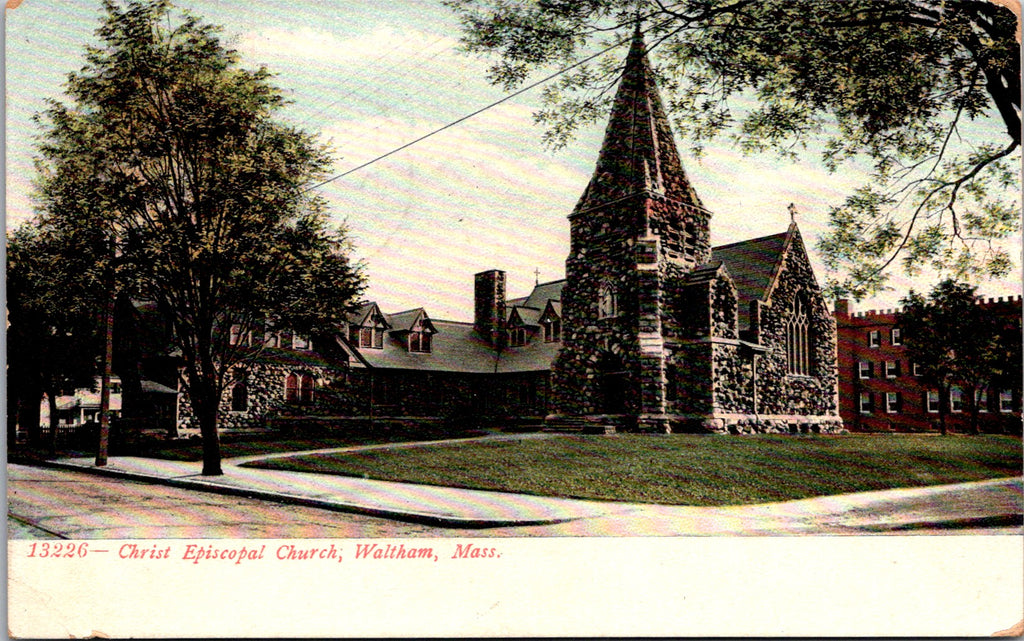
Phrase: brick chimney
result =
(843, 307)
(489, 304)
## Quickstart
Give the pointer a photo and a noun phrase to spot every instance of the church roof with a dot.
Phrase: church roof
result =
(638, 153)
(752, 265)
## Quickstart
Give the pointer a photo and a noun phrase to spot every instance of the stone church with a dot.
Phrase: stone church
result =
(652, 329)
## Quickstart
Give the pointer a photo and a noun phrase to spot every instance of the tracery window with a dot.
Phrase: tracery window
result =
(798, 344)
(239, 397)
(607, 302)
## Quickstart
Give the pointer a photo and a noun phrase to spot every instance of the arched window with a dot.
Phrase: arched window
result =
(306, 384)
(239, 397)
(291, 388)
(798, 344)
(607, 302)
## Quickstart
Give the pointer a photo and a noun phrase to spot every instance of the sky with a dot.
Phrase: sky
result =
(484, 194)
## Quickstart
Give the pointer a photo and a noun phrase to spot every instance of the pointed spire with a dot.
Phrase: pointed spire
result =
(638, 153)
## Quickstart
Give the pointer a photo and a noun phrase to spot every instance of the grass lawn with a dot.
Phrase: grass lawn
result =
(192, 449)
(683, 469)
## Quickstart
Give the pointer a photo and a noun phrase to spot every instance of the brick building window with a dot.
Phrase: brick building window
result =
(892, 369)
(798, 346)
(956, 400)
(607, 302)
(866, 403)
(517, 336)
(892, 402)
(874, 338)
(932, 401)
(1006, 401)
(864, 369)
(553, 331)
(897, 336)
(916, 368)
(981, 399)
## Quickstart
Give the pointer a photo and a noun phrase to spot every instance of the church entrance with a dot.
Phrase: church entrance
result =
(612, 383)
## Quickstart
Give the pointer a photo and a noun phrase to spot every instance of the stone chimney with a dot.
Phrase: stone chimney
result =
(489, 304)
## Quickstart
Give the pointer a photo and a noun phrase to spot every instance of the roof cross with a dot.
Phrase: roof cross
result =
(536, 276)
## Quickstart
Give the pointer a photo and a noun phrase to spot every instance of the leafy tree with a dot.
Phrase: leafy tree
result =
(955, 342)
(54, 295)
(172, 148)
(890, 82)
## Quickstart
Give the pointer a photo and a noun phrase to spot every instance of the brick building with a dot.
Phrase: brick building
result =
(652, 329)
(880, 388)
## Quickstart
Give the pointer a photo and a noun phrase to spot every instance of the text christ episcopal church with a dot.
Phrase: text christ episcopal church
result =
(652, 329)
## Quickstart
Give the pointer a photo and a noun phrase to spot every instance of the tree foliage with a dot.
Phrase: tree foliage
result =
(956, 342)
(175, 151)
(55, 294)
(888, 82)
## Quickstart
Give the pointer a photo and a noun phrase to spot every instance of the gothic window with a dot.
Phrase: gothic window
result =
(239, 397)
(306, 385)
(798, 345)
(291, 388)
(607, 302)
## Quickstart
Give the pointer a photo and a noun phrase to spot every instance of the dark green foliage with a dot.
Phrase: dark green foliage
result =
(957, 342)
(172, 150)
(681, 469)
(891, 82)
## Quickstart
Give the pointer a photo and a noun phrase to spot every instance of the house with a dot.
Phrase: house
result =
(81, 406)
(652, 329)
(881, 389)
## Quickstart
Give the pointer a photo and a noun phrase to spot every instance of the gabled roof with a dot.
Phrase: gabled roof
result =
(544, 292)
(753, 265)
(552, 311)
(456, 347)
(405, 321)
(528, 316)
(638, 153)
(365, 314)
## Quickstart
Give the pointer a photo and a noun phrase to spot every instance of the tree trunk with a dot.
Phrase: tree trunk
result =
(973, 399)
(943, 400)
(205, 405)
(51, 397)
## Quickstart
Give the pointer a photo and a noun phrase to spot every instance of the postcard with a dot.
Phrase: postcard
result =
(485, 319)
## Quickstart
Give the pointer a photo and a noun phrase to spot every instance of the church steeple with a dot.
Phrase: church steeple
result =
(638, 153)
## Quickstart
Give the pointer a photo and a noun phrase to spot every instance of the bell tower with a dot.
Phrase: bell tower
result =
(638, 224)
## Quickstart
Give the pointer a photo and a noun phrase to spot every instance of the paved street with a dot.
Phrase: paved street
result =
(47, 503)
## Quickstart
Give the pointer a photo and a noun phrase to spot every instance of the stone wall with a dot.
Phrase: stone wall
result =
(266, 395)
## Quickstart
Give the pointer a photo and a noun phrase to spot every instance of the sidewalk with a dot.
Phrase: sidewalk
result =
(995, 503)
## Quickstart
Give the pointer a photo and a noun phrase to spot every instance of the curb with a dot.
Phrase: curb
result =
(422, 518)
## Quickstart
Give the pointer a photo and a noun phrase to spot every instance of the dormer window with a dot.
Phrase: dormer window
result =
(300, 342)
(553, 331)
(607, 302)
(419, 341)
(517, 337)
(367, 337)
